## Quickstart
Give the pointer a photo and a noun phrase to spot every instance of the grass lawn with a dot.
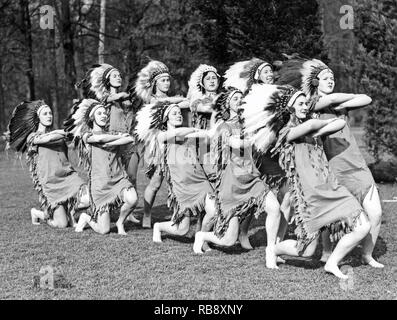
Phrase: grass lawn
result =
(132, 267)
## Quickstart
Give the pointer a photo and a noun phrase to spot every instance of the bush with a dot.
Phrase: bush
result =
(384, 171)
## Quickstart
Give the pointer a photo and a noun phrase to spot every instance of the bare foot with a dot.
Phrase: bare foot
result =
(156, 234)
(271, 258)
(147, 221)
(120, 228)
(372, 262)
(244, 242)
(333, 268)
(325, 256)
(280, 260)
(133, 219)
(83, 220)
(206, 247)
(198, 243)
(34, 216)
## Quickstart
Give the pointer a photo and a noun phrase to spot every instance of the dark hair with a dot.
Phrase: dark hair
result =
(219, 81)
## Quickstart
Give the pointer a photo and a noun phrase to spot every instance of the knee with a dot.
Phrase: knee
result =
(131, 198)
(183, 227)
(104, 230)
(154, 184)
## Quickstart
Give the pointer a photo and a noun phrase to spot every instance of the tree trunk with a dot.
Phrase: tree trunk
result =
(102, 30)
(26, 25)
(67, 36)
(3, 123)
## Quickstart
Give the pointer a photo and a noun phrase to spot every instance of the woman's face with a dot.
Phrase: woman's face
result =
(211, 82)
(163, 84)
(100, 117)
(115, 79)
(175, 118)
(235, 101)
(301, 108)
(46, 117)
(266, 75)
(326, 83)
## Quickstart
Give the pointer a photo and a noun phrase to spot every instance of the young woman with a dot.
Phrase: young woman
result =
(318, 200)
(240, 192)
(188, 188)
(152, 85)
(60, 188)
(204, 86)
(109, 186)
(243, 75)
(345, 159)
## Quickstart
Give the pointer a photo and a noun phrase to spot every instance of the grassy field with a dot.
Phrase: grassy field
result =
(132, 267)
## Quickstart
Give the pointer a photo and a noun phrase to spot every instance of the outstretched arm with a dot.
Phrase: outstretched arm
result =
(359, 101)
(331, 127)
(310, 126)
(169, 135)
(332, 99)
(50, 137)
(102, 138)
(123, 140)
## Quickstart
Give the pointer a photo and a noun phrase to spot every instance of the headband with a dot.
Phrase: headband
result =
(260, 68)
(293, 98)
(167, 111)
(41, 108)
(94, 108)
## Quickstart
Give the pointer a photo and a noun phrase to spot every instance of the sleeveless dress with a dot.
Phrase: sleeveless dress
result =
(240, 191)
(53, 177)
(187, 183)
(345, 158)
(318, 200)
(107, 179)
(122, 120)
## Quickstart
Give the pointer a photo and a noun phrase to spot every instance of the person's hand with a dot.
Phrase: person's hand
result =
(125, 135)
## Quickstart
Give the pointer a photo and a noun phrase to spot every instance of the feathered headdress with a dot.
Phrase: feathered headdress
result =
(196, 85)
(24, 121)
(303, 74)
(222, 103)
(95, 83)
(81, 118)
(151, 120)
(244, 74)
(147, 78)
(78, 123)
(266, 109)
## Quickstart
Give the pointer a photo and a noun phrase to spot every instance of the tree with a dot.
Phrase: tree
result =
(375, 68)
(102, 31)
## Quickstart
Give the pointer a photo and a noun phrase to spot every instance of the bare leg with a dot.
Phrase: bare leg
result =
(327, 247)
(101, 226)
(227, 240)
(60, 219)
(207, 223)
(272, 225)
(130, 201)
(345, 245)
(149, 197)
(243, 236)
(373, 208)
(289, 247)
(285, 209)
(168, 227)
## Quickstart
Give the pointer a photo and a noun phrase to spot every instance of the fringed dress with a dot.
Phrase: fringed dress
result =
(122, 120)
(240, 191)
(107, 178)
(345, 158)
(53, 176)
(318, 200)
(187, 182)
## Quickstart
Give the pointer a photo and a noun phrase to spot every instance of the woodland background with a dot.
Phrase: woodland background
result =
(46, 64)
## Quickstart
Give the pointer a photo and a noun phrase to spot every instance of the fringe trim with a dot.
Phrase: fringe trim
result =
(173, 204)
(71, 202)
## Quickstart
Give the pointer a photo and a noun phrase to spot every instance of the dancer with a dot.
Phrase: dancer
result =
(60, 189)
(103, 83)
(204, 85)
(109, 186)
(152, 85)
(243, 75)
(240, 193)
(319, 201)
(188, 188)
(316, 79)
